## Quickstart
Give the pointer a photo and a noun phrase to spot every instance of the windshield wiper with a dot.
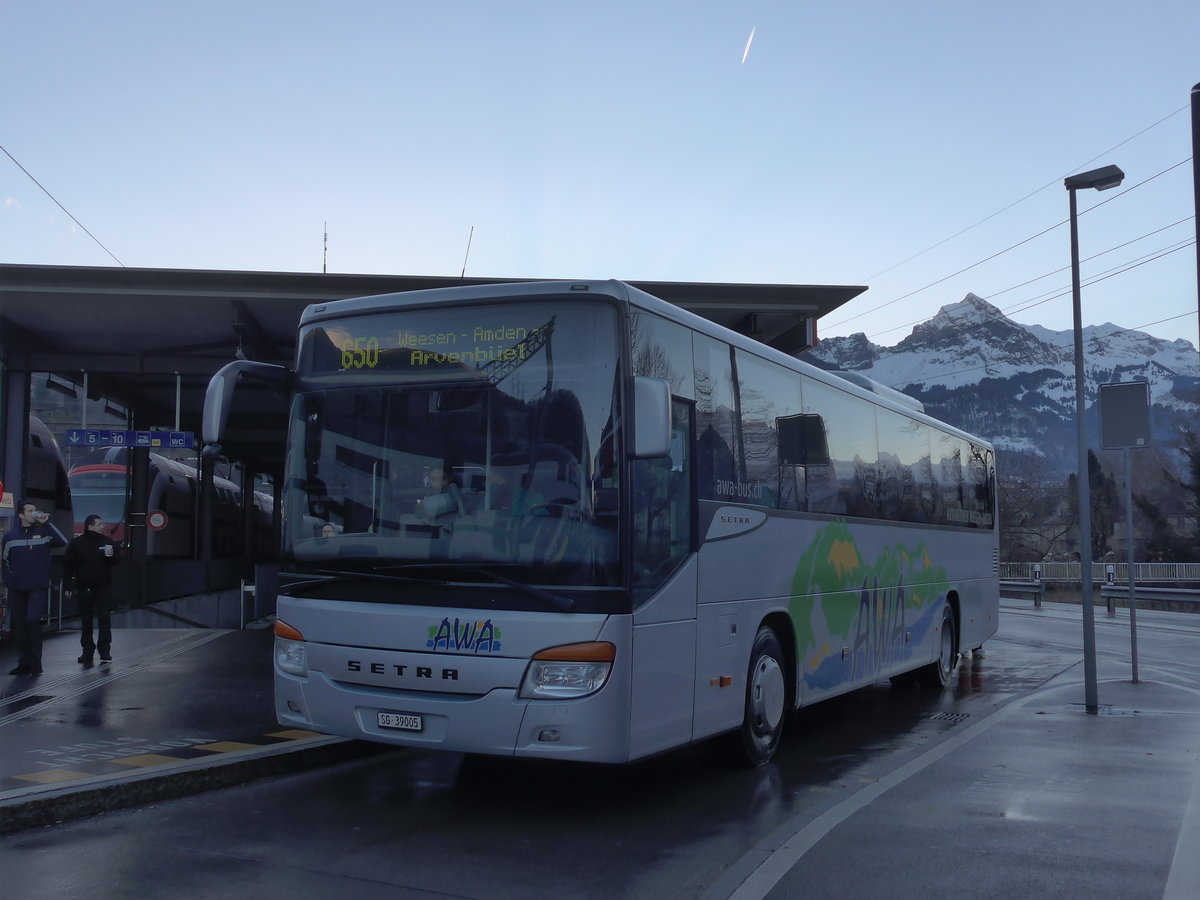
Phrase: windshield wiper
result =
(375, 575)
(566, 604)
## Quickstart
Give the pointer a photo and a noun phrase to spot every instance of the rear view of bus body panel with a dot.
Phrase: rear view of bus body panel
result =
(459, 671)
(980, 597)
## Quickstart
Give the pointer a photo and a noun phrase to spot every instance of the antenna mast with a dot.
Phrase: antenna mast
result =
(325, 255)
(463, 274)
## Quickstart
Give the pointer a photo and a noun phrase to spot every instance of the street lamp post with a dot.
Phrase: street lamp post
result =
(1101, 180)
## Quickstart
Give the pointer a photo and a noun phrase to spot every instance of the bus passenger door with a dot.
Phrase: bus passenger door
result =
(664, 587)
(664, 667)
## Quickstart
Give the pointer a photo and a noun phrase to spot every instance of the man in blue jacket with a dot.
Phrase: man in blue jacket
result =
(26, 551)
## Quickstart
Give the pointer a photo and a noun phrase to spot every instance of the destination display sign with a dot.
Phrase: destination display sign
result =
(435, 343)
(106, 437)
(474, 346)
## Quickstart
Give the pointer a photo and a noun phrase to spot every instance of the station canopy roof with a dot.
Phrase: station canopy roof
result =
(144, 334)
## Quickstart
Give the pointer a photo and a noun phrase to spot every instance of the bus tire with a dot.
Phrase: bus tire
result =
(766, 701)
(937, 674)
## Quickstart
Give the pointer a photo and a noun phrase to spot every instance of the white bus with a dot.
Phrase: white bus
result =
(571, 520)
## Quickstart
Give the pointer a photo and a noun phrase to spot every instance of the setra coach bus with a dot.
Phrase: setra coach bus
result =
(571, 520)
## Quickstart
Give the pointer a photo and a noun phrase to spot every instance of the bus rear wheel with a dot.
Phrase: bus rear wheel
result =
(766, 701)
(937, 674)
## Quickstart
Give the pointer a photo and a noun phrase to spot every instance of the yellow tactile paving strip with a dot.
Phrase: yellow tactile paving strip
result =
(52, 776)
(145, 760)
(154, 760)
(226, 746)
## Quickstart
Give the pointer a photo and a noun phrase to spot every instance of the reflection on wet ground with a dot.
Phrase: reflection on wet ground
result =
(673, 825)
(659, 815)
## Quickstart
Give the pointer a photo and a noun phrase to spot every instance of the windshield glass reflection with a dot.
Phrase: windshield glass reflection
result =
(496, 465)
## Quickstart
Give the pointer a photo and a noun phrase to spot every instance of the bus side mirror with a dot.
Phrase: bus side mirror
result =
(802, 440)
(651, 418)
(222, 397)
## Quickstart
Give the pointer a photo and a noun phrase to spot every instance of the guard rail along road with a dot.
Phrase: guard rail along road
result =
(1171, 599)
(1160, 573)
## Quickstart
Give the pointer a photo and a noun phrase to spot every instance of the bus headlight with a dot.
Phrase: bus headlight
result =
(572, 670)
(291, 653)
(291, 657)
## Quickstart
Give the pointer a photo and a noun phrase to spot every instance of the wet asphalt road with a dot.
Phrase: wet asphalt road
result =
(409, 824)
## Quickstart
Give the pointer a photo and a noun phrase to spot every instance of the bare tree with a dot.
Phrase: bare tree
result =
(1035, 521)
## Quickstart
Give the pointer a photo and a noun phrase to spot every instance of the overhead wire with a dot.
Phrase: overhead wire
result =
(1009, 248)
(1103, 275)
(29, 175)
(1058, 293)
(1085, 260)
(1106, 274)
(1014, 309)
(1029, 305)
(1027, 196)
(1119, 270)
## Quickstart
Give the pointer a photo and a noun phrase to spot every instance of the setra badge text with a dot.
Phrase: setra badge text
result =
(400, 671)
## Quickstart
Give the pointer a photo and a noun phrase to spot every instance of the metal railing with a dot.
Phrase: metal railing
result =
(1023, 590)
(1144, 593)
(1069, 572)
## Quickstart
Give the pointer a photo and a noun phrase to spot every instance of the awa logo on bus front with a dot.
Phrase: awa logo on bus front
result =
(464, 637)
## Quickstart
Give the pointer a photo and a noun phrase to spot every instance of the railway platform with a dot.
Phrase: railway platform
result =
(177, 710)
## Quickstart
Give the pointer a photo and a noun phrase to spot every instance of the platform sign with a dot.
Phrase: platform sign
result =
(1125, 415)
(104, 437)
(1125, 425)
(96, 437)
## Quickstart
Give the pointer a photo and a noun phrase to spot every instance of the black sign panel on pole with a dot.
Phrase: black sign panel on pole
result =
(1125, 415)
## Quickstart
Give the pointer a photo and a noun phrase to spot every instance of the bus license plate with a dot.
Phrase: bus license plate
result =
(401, 721)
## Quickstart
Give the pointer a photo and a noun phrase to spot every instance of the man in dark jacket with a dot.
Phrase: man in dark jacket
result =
(26, 551)
(90, 559)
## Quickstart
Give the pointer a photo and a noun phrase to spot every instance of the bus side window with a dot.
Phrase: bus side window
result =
(802, 440)
(803, 450)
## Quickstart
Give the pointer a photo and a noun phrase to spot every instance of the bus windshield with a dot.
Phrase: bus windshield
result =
(478, 437)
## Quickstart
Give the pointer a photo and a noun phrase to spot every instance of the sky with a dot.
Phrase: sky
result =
(916, 148)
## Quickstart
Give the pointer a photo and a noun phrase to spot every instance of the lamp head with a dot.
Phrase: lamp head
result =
(1100, 179)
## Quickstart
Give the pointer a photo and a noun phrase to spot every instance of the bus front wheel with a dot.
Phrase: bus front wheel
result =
(766, 700)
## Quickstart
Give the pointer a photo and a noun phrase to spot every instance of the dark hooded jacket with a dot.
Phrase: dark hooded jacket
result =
(27, 555)
(85, 560)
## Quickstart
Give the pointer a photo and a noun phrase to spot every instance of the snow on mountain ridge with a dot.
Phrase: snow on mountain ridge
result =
(972, 339)
(1015, 384)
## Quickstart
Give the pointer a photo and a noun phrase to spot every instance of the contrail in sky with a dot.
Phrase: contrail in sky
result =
(749, 41)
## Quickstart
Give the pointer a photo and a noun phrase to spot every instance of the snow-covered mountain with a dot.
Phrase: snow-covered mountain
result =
(1015, 384)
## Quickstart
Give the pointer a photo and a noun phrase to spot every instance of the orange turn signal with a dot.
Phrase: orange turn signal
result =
(588, 651)
(286, 631)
